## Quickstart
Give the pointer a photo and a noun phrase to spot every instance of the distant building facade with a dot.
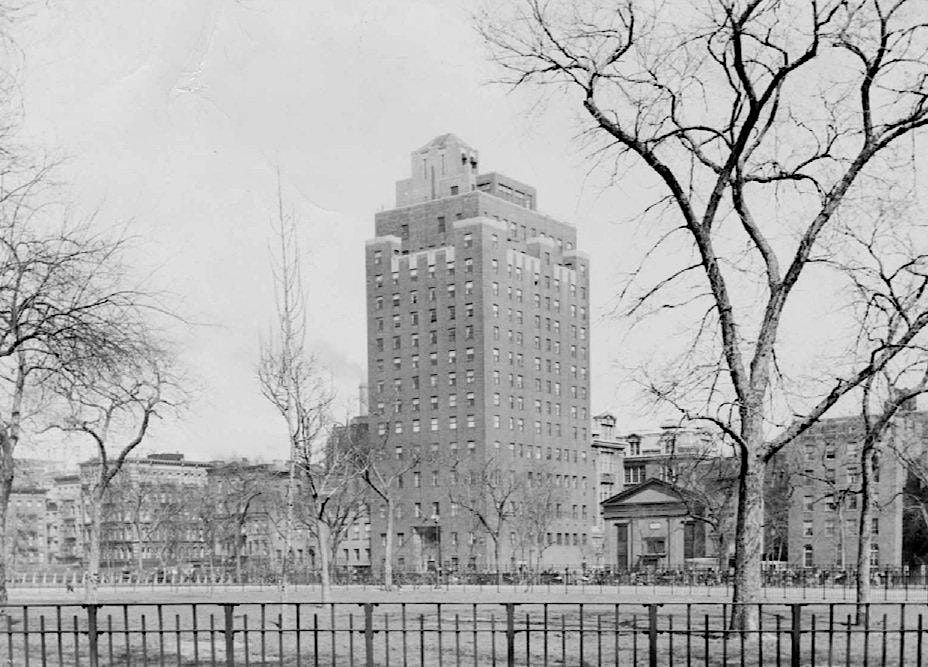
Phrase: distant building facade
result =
(608, 451)
(654, 509)
(825, 500)
(812, 495)
(64, 520)
(27, 539)
(147, 517)
(650, 526)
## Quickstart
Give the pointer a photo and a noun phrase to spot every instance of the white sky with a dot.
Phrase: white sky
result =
(174, 115)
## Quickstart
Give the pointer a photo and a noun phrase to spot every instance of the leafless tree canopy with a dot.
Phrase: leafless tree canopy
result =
(323, 479)
(759, 121)
(77, 347)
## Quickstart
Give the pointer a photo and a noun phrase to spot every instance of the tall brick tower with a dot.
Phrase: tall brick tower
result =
(478, 349)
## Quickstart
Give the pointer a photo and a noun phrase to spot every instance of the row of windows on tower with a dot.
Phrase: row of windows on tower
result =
(413, 270)
(515, 382)
(431, 295)
(515, 231)
(560, 511)
(513, 358)
(454, 477)
(516, 338)
(548, 539)
(513, 271)
(515, 403)
(517, 317)
(513, 337)
(518, 232)
(516, 449)
(552, 429)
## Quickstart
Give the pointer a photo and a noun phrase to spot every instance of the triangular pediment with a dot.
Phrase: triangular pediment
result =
(652, 491)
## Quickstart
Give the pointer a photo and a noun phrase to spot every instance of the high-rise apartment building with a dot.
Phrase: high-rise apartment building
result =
(478, 350)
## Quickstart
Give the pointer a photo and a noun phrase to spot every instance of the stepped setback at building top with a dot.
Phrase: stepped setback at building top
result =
(478, 350)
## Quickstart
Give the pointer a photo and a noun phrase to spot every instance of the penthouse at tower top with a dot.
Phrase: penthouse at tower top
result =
(446, 169)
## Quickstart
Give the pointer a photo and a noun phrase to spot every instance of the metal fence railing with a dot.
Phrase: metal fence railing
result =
(441, 633)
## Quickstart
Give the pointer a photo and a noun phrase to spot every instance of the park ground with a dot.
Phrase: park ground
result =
(572, 625)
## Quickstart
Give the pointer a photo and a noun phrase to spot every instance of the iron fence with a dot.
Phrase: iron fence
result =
(441, 633)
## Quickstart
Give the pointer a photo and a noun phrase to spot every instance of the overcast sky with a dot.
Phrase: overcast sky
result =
(175, 114)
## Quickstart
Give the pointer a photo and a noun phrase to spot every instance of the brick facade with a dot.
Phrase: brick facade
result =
(478, 348)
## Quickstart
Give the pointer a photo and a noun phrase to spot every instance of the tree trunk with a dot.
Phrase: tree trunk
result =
(721, 543)
(291, 511)
(212, 560)
(499, 573)
(138, 546)
(864, 536)
(322, 542)
(6, 488)
(238, 556)
(93, 556)
(9, 438)
(749, 539)
(388, 549)
(842, 537)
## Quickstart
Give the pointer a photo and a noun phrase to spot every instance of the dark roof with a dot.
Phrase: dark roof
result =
(648, 483)
(165, 456)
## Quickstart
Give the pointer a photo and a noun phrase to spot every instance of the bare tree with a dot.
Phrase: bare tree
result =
(148, 507)
(230, 501)
(383, 472)
(26, 536)
(114, 409)
(536, 500)
(65, 307)
(175, 533)
(882, 434)
(489, 494)
(915, 524)
(339, 504)
(291, 379)
(706, 480)
(778, 498)
(758, 120)
(329, 498)
(889, 280)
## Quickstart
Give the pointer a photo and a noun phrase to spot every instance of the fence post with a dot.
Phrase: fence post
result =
(369, 634)
(93, 653)
(229, 632)
(796, 629)
(511, 634)
(652, 635)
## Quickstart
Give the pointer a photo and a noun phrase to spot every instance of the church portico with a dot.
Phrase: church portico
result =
(649, 527)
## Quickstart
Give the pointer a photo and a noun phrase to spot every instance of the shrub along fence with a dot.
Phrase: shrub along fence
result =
(438, 633)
